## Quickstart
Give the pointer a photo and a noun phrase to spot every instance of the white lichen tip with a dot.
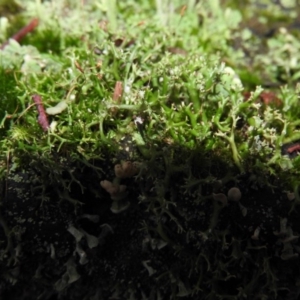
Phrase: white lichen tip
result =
(290, 196)
(126, 169)
(220, 198)
(234, 194)
(116, 191)
(255, 235)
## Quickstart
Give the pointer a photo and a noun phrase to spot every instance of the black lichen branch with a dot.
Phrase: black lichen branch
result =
(42, 118)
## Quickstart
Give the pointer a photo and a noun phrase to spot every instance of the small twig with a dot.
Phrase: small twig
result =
(117, 95)
(78, 67)
(23, 112)
(23, 32)
(118, 91)
(293, 148)
(42, 119)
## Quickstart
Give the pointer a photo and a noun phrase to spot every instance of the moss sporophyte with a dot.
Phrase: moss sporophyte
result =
(149, 150)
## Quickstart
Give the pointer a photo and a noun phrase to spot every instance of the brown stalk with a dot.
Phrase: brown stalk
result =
(22, 32)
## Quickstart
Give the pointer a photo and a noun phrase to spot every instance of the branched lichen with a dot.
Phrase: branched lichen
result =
(163, 171)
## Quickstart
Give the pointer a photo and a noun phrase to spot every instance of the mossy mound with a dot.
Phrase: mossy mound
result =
(140, 160)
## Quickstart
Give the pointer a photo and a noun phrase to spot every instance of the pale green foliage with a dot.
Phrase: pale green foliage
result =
(193, 99)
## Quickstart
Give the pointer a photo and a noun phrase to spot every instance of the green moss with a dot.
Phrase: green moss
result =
(193, 117)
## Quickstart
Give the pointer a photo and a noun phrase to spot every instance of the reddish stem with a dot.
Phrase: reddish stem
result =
(22, 32)
(42, 118)
(293, 148)
(117, 92)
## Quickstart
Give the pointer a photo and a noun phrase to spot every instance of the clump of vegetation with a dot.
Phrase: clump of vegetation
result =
(149, 152)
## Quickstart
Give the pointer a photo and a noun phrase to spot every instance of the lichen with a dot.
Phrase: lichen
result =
(167, 169)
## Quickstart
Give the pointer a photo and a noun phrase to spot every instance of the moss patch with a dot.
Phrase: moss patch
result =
(160, 158)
